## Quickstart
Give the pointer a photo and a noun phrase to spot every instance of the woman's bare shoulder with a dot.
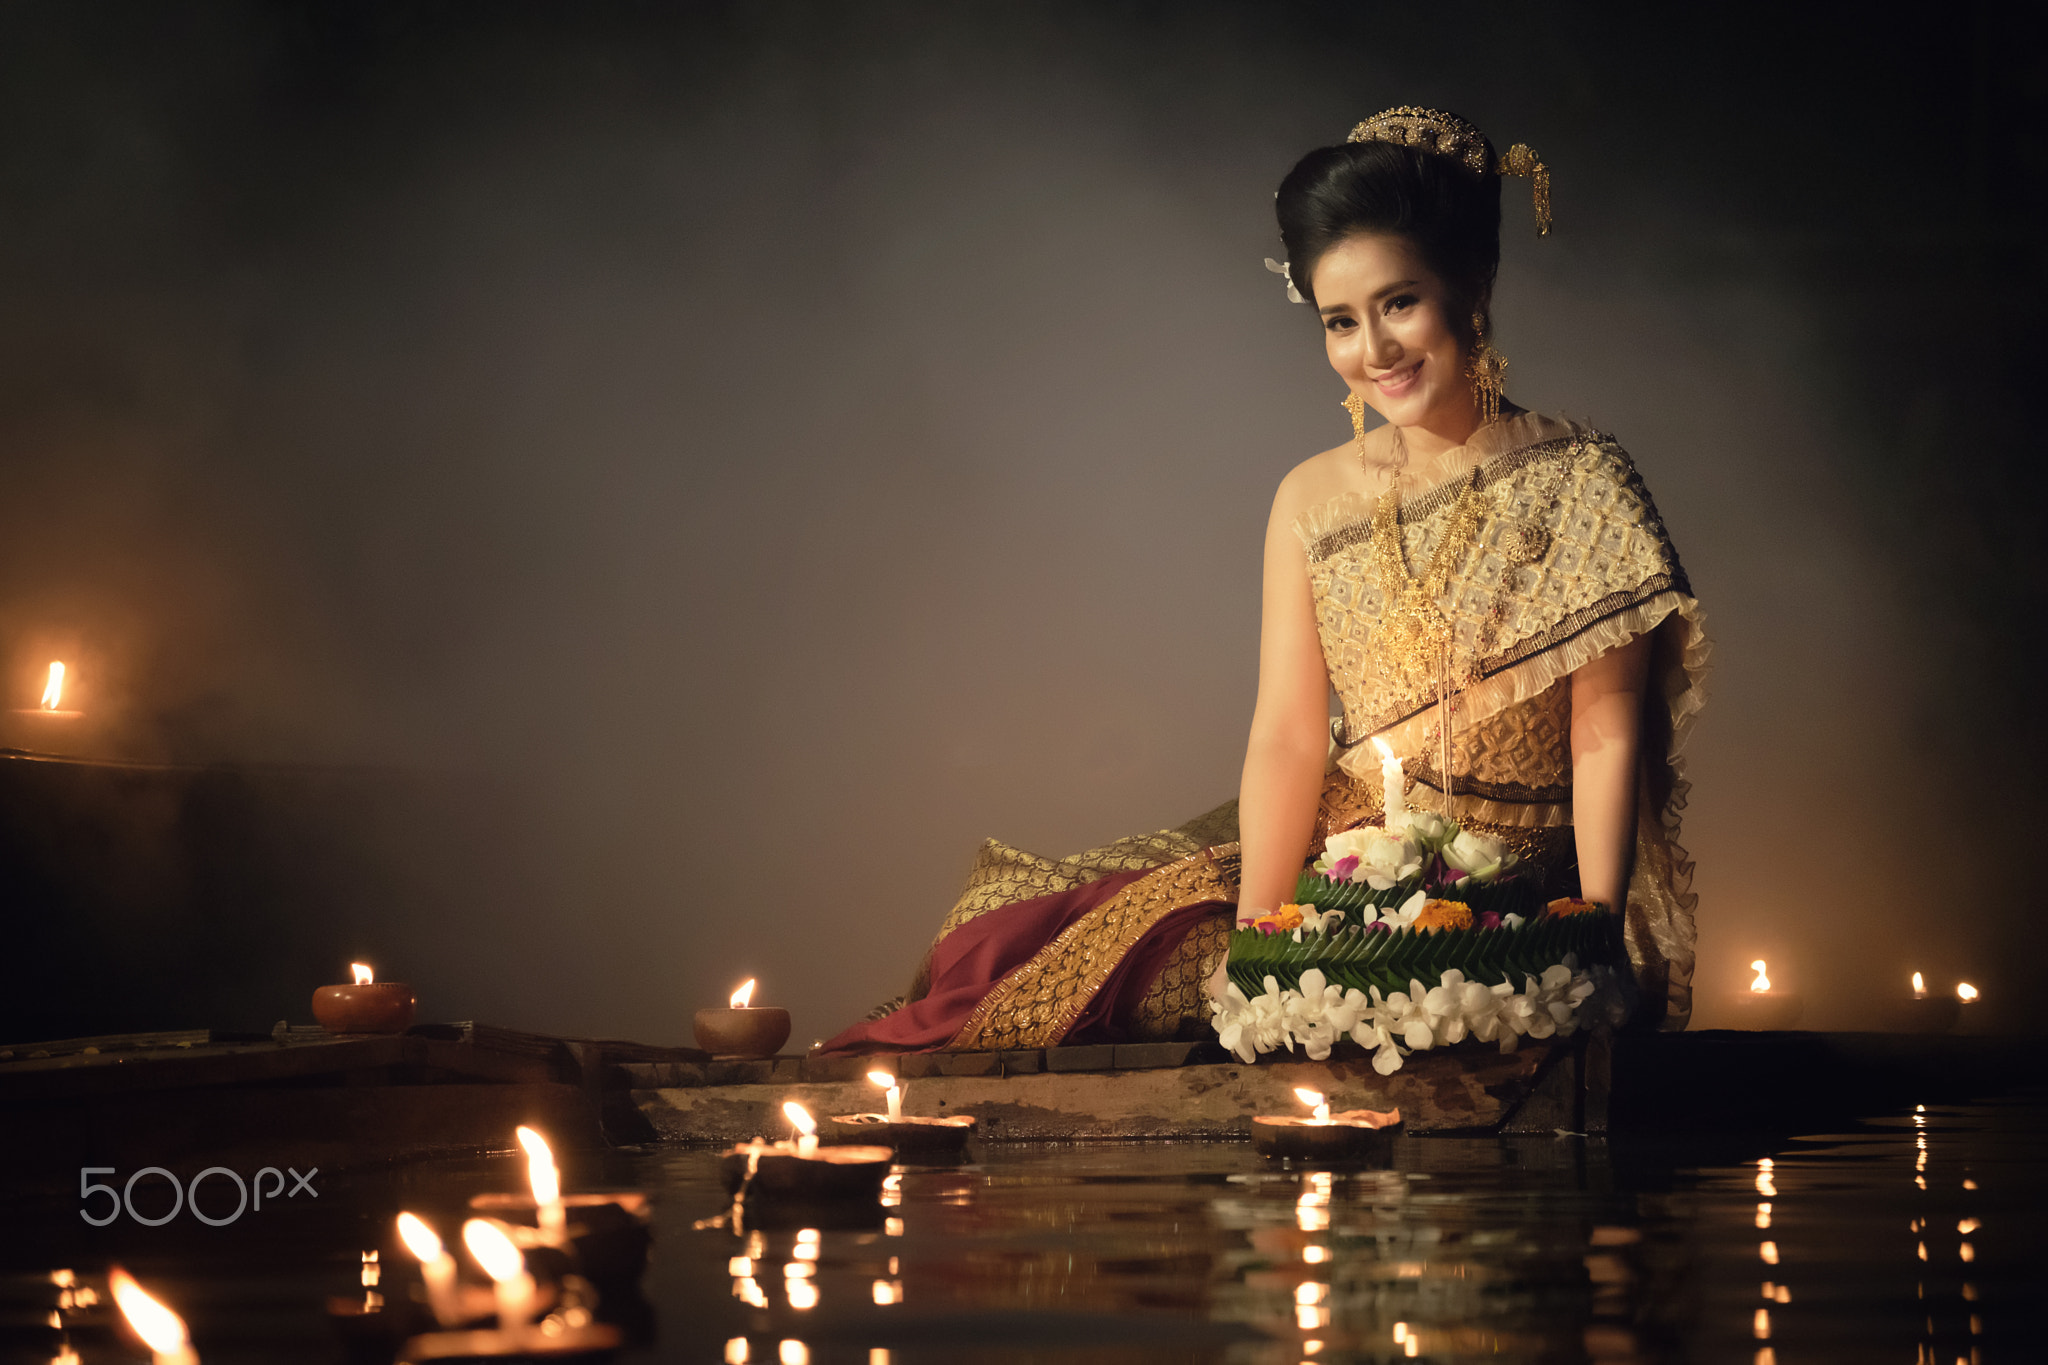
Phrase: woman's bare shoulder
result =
(1315, 481)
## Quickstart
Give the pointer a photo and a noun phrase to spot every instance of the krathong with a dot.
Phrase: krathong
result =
(1410, 938)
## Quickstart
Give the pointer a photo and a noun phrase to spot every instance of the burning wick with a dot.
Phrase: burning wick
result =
(364, 976)
(1965, 992)
(162, 1330)
(1919, 987)
(505, 1265)
(1762, 982)
(807, 1128)
(741, 996)
(546, 1179)
(1316, 1101)
(53, 690)
(893, 1091)
(437, 1267)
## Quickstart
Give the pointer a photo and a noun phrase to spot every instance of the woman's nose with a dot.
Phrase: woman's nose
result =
(1382, 351)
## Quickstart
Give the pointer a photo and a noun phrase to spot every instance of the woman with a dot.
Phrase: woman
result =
(1466, 560)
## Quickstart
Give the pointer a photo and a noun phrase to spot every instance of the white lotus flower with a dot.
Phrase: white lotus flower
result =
(1428, 828)
(1479, 856)
(1371, 855)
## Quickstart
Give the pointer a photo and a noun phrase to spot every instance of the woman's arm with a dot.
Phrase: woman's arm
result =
(1290, 739)
(1607, 731)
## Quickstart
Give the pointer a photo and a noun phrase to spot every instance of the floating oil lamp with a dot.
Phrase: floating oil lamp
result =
(1764, 1007)
(906, 1133)
(605, 1234)
(366, 1006)
(802, 1169)
(743, 1029)
(1353, 1135)
(162, 1330)
(1928, 1013)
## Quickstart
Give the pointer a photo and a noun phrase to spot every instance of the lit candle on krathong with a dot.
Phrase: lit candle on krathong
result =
(1919, 987)
(437, 1268)
(162, 1330)
(904, 1132)
(47, 723)
(1393, 784)
(1350, 1135)
(546, 1179)
(366, 1005)
(1966, 993)
(743, 1029)
(506, 1266)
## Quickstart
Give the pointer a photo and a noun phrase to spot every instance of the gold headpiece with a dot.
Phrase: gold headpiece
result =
(1432, 130)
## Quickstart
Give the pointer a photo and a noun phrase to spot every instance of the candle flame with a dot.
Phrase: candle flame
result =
(1965, 991)
(741, 996)
(1386, 749)
(1762, 982)
(1311, 1098)
(493, 1249)
(421, 1240)
(160, 1329)
(53, 690)
(799, 1118)
(541, 1171)
(881, 1078)
(364, 976)
(1919, 986)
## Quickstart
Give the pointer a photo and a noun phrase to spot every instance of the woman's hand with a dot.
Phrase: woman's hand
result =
(1607, 731)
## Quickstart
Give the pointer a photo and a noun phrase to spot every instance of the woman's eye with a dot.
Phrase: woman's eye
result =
(1399, 302)
(1339, 324)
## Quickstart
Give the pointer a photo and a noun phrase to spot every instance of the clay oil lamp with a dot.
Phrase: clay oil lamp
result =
(162, 1330)
(523, 1332)
(604, 1235)
(804, 1170)
(367, 1006)
(909, 1134)
(742, 1030)
(1765, 1008)
(50, 726)
(1354, 1135)
(1931, 1013)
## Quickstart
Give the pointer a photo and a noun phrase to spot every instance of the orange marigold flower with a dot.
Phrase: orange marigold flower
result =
(1571, 905)
(1282, 919)
(1444, 915)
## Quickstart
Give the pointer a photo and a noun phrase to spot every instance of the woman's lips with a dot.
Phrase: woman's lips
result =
(1401, 380)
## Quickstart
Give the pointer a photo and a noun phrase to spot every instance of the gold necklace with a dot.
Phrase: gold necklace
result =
(1413, 633)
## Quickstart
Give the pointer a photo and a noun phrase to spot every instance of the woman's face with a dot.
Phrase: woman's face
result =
(1387, 328)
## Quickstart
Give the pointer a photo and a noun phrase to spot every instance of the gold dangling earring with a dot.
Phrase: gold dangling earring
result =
(1487, 371)
(1355, 405)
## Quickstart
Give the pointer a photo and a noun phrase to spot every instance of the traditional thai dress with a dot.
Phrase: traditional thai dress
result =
(1548, 553)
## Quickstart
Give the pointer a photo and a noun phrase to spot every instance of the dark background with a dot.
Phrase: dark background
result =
(626, 496)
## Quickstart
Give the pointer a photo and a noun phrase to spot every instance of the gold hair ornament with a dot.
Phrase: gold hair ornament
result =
(1432, 130)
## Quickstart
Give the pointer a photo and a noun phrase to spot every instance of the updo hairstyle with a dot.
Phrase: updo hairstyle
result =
(1450, 213)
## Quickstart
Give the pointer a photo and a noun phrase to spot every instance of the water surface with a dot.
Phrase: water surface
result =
(1910, 1236)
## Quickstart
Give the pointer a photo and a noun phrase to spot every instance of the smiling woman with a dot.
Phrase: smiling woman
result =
(1490, 594)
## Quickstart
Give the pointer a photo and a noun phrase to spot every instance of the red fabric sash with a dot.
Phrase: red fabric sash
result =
(970, 961)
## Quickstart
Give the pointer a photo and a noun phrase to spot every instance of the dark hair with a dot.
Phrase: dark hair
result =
(1450, 213)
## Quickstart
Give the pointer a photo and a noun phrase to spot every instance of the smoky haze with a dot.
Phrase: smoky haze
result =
(736, 459)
